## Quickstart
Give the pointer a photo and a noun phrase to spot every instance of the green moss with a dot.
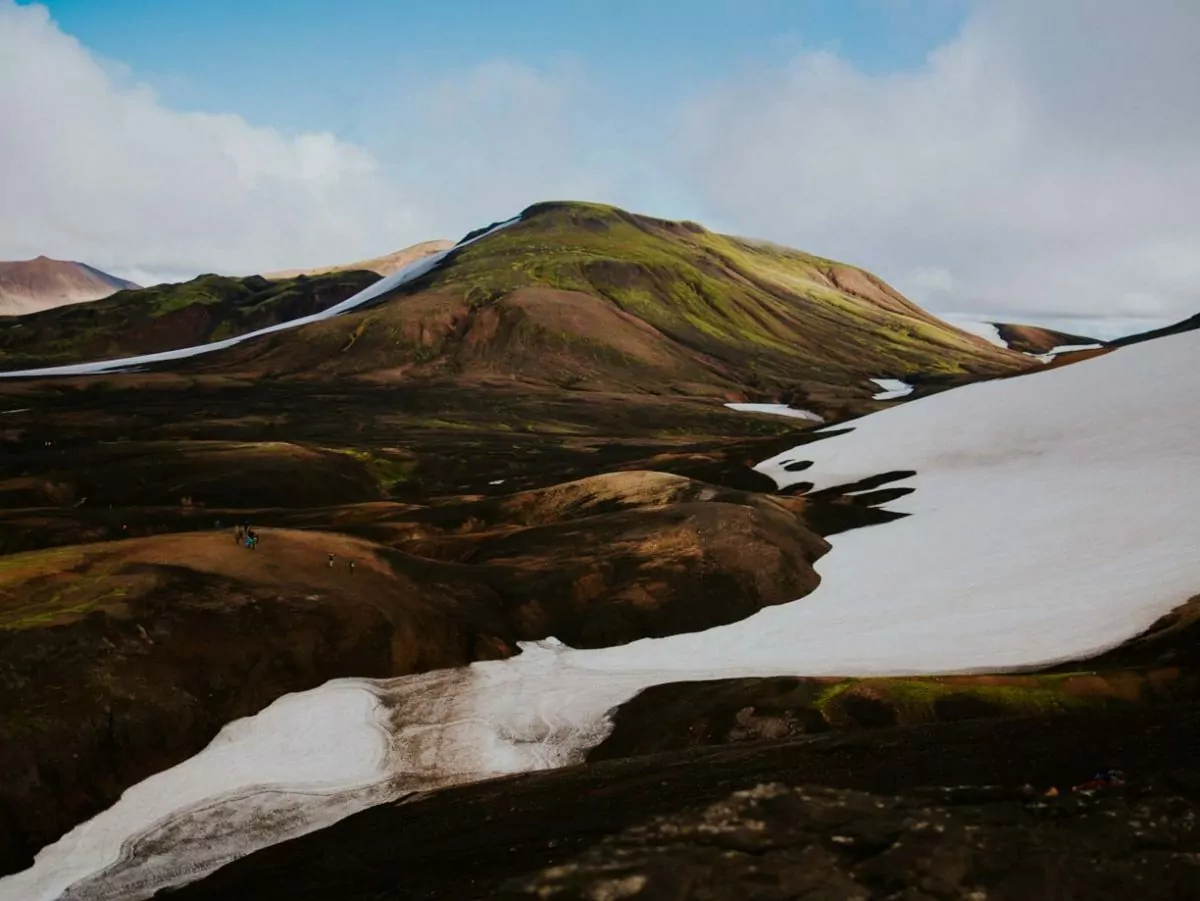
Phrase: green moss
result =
(387, 471)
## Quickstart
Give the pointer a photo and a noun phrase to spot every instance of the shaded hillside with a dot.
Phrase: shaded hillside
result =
(592, 298)
(28, 286)
(382, 265)
(1033, 339)
(165, 317)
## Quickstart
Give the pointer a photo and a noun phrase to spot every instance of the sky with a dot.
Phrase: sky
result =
(1010, 158)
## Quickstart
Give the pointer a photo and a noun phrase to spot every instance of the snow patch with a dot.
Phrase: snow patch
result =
(778, 410)
(402, 276)
(892, 388)
(1042, 529)
(1049, 355)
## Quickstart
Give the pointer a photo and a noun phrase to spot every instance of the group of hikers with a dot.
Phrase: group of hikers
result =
(245, 536)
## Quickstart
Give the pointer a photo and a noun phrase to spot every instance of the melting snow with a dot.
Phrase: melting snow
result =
(402, 276)
(1042, 528)
(778, 410)
(892, 388)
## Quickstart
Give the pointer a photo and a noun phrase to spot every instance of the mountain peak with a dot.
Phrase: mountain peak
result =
(29, 286)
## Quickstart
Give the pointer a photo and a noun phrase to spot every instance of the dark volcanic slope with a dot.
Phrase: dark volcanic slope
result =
(165, 317)
(591, 298)
(1187, 325)
(27, 286)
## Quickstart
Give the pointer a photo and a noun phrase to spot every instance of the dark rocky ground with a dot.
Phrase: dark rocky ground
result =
(496, 839)
(777, 842)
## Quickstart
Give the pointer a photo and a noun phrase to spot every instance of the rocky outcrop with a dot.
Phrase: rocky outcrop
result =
(954, 844)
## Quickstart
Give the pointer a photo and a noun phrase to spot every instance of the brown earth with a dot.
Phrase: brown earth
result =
(28, 286)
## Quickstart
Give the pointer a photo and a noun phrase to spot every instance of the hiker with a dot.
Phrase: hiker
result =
(237, 535)
(351, 567)
(251, 539)
(331, 561)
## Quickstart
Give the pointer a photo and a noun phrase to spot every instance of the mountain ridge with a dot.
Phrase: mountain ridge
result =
(597, 298)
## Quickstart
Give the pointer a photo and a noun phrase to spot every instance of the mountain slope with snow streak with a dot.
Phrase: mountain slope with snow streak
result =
(1042, 528)
(412, 271)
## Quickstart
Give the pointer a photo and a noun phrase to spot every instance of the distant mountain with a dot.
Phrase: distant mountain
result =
(384, 265)
(1033, 339)
(29, 286)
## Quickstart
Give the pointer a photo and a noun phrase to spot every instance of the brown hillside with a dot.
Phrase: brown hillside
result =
(1032, 339)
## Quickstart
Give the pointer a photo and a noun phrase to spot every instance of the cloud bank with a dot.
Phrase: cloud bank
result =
(1043, 162)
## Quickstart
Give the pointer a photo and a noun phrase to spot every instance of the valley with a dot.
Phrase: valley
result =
(587, 588)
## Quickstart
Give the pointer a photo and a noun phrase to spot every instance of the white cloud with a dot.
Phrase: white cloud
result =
(94, 167)
(1044, 160)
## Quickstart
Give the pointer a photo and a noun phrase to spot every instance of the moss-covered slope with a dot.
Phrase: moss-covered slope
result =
(594, 298)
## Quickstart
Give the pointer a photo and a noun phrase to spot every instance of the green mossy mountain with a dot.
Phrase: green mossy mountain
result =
(147, 320)
(590, 297)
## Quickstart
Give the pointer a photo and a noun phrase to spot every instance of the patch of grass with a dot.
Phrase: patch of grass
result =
(388, 472)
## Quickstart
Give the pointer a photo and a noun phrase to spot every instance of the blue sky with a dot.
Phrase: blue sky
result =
(1013, 157)
(313, 64)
